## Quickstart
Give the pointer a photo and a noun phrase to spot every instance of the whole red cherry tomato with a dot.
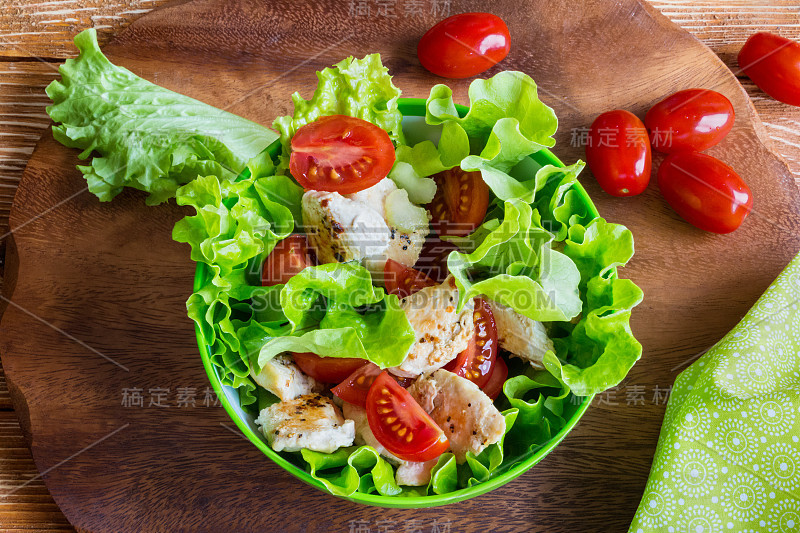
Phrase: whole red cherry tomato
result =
(705, 191)
(691, 120)
(618, 153)
(464, 45)
(773, 63)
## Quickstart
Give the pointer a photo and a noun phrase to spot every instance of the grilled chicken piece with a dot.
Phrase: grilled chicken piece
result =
(521, 336)
(284, 379)
(355, 227)
(340, 229)
(415, 474)
(310, 421)
(468, 417)
(364, 435)
(442, 332)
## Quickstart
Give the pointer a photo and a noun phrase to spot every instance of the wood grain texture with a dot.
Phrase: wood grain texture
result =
(723, 25)
(5, 397)
(111, 287)
(45, 29)
(25, 499)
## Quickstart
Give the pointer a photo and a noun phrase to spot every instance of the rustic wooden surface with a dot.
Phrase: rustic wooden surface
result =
(36, 36)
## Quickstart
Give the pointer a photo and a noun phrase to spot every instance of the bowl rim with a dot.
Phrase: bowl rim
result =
(408, 107)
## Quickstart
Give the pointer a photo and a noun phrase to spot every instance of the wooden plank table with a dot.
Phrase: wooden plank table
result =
(36, 36)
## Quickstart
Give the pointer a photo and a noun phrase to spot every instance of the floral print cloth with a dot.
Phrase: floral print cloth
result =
(728, 457)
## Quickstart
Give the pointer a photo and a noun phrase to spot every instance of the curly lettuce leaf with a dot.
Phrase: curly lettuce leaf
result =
(359, 88)
(516, 266)
(147, 137)
(601, 349)
(335, 311)
(415, 163)
(236, 224)
(506, 122)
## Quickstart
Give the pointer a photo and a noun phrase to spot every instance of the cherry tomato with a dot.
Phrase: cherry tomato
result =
(773, 63)
(460, 202)
(399, 423)
(403, 281)
(328, 369)
(289, 257)
(618, 153)
(433, 258)
(705, 191)
(477, 362)
(354, 388)
(691, 120)
(464, 45)
(495, 384)
(340, 154)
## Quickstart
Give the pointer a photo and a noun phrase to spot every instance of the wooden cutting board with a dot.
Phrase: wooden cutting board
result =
(96, 320)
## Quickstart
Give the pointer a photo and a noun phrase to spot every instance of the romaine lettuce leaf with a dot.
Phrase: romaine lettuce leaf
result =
(147, 137)
(359, 88)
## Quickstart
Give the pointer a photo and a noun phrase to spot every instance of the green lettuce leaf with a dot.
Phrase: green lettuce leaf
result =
(359, 88)
(601, 349)
(235, 226)
(516, 266)
(147, 137)
(506, 122)
(335, 311)
(415, 163)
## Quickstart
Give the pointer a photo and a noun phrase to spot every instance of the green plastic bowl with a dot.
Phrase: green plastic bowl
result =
(411, 108)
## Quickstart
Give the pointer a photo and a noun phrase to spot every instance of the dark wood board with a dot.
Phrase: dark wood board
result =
(91, 281)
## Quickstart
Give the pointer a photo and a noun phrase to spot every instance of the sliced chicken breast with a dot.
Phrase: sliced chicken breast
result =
(354, 226)
(310, 421)
(442, 332)
(284, 379)
(468, 417)
(520, 336)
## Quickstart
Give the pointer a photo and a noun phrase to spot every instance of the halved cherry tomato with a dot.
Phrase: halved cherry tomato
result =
(691, 120)
(773, 63)
(289, 257)
(705, 191)
(495, 385)
(328, 369)
(340, 154)
(433, 258)
(354, 388)
(399, 423)
(618, 153)
(477, 362)
(403, 281)
(464, 45)
(460, 202)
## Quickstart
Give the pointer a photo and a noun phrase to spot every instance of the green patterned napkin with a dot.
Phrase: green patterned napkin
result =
(728, 457)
